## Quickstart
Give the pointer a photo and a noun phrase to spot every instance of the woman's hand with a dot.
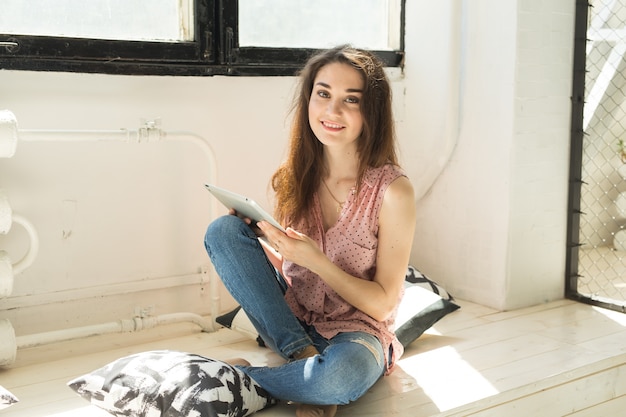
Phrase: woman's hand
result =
(248, 221)
(292, 245)
(379, 297)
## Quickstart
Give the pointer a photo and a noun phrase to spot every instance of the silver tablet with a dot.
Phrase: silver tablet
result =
(243, 205)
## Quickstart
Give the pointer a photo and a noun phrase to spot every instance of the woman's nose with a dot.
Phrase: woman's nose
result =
(334, 106)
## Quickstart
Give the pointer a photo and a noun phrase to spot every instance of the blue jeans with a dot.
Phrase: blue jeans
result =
(348, 364)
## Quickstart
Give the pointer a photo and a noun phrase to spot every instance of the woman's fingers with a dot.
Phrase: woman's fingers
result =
(274, 235)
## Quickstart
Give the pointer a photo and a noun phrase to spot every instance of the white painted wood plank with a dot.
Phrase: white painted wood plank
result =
(499, 353)
(507, 315)
(614, 407)
(515, 374)
(67, 408)
(103, 343)
(563, 399)
(69, 366)
(584, 330)
(487, 358)
(609, 344)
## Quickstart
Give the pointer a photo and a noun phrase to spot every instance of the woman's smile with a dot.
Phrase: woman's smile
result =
(332, 126)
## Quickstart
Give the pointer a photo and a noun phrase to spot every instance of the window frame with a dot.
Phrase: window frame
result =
(215, 51)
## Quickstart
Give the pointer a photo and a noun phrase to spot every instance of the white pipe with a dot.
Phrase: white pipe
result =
(30, 256)
(126, 325)
(149, 132)
(57, 135)
(8, 217)
(8, 349)
(205, 325)
(101, 291)
(455, 89)
(215, 293)
(44, 338)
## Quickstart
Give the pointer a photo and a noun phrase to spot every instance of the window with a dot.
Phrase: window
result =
(100, 19)
(192, 37)
(596, 256)
(371, 24)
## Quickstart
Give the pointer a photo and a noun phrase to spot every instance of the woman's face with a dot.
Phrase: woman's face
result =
(335, 105)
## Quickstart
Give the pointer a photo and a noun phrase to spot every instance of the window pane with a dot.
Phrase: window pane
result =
(158, 20)
(368, 24)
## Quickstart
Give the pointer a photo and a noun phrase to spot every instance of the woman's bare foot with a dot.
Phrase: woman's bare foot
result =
(237, 362)
(307, 352)
(305, 410)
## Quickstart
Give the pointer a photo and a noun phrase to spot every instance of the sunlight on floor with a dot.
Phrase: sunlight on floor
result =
(616, 316)
(446, 378)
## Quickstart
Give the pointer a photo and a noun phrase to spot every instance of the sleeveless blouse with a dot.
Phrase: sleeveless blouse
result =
(351, 244)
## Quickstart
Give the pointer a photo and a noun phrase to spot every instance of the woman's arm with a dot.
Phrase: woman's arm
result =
(377, 298)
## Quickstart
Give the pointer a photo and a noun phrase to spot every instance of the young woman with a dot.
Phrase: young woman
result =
(324, 294)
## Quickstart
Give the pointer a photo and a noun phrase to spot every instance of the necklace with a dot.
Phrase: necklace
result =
(339, 203)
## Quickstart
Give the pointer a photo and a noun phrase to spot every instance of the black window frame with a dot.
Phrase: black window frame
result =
(215, 51)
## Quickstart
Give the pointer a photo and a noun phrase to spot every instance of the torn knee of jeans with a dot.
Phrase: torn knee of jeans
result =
(369, 347)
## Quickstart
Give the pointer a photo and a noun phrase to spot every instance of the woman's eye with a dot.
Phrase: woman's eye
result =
(323, 94)
(352, 100)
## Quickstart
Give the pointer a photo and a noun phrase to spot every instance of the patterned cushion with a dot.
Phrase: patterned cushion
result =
(418, 311)
(238, 320)
(6, 398)
(415, 277)
(173, 384)
(424, 303)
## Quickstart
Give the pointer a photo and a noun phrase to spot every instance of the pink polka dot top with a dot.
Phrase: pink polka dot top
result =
(350, 244)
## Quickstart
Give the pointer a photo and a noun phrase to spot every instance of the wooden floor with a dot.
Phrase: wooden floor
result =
(561, 358)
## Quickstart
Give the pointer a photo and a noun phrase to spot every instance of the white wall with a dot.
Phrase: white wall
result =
(483, 119)
(141, 209)
(493, 226)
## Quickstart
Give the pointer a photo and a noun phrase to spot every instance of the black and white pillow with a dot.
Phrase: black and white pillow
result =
(418, 311)
(173, 384)
(424, 303)
(413, 276)
(238, 320)
(6, 398)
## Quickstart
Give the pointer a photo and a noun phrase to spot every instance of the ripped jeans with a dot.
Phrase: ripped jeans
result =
(348, 364)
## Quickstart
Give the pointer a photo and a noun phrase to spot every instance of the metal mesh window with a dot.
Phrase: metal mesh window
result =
(600, 274)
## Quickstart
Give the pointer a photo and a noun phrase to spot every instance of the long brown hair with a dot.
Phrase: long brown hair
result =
(297, 179)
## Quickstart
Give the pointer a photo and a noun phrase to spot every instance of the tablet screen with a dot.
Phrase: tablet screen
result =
(243, 205)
